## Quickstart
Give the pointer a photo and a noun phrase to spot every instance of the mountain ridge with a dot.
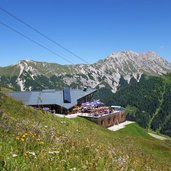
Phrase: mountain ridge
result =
(126, 64)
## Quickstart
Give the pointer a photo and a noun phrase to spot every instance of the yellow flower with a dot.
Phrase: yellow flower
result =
(41, 142)
(24, 136)
(33, 135)
(17, 137)
(22, 139)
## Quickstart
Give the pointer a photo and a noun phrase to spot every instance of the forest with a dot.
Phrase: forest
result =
(148, 102)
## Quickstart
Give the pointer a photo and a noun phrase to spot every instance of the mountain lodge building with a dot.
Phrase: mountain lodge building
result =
(64, 101)
(59, 101)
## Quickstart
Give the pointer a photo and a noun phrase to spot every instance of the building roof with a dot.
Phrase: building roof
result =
(50, 97)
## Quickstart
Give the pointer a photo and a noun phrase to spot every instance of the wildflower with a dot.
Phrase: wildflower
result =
(46, 126)
(67, 151)
(41, 142)
(22, 139)
(31, 153)
(24, 135)
(33, 134)
(17, 137)
(84, 167)
(73, 169)
(121, 160)
(14, 155)
(53, 152)
(51, 159)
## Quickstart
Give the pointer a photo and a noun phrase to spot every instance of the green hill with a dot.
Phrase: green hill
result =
(36, 140)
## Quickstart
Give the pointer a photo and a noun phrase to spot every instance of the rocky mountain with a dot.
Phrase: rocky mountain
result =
(32, 75)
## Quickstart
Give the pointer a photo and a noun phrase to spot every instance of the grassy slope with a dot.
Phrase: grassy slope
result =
(3, 89)
(75, 143)
(9, 71)
(44, 68)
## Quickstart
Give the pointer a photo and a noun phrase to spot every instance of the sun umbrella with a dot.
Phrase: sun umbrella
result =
(98, 103)
(87, 104)
(46, 108)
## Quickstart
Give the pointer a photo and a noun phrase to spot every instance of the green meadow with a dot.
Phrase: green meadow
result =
(37, 140)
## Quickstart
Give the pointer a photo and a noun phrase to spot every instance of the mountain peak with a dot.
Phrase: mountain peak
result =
(126, 64)
(123, 54)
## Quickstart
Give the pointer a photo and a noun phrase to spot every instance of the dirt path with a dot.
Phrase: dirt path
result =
(157, 136)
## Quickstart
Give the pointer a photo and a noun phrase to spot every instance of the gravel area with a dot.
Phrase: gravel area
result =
(120, 126)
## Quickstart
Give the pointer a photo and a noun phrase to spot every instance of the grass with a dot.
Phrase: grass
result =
(158, 149)
(10, 71)
(37, 140)
(5, 90)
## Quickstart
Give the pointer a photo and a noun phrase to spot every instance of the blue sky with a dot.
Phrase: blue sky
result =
(92, 29)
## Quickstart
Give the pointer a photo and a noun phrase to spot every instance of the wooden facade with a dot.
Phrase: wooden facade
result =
(108, 120)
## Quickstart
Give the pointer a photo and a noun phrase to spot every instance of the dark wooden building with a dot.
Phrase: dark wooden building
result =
(107, 120)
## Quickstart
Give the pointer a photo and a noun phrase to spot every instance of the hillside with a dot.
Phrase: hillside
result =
(32, 75)
(36, 140)
(148, 102)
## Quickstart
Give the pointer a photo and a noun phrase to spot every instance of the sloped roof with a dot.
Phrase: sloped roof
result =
(50, 97)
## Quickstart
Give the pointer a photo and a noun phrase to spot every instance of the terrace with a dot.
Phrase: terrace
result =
(103, 115)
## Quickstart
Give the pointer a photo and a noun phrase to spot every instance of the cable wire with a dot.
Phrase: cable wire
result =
(35, 42)
(43, 35)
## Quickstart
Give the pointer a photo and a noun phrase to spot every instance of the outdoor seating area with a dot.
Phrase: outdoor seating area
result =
(94, 108)
(99, 113)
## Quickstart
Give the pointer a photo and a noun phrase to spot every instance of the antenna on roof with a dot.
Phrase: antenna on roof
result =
(39, 99)
(85, 89)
